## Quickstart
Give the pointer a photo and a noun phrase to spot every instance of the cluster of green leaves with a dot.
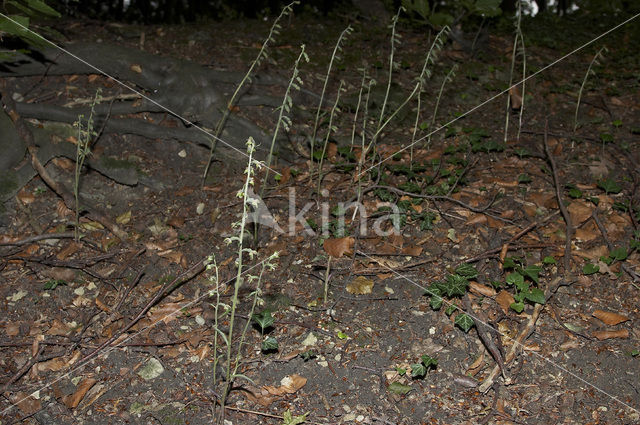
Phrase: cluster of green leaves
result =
(454, 285)
(616, 254)
(420, 369)
(17, 21)
(521, 278)
(443, 13)
(264, 320)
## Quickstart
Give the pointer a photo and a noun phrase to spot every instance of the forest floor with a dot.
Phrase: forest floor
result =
(415, 320)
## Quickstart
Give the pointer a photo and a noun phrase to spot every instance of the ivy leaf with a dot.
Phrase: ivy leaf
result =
(449, 311)
(549, 260)
(289, 419)
(398, 388)
(436, 302)
(456, 285)
(429, 361)
(467, 270)
(264, 319)
(590, 269)
(464, 321)
(418, 370)
(53, 284)
(307, 355)
(609, 186)
(270, 344)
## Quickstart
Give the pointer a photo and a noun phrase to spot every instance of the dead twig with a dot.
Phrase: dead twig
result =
(517, 343)
(24, 369)
(563, 209)
(486, 334)
(36, 238)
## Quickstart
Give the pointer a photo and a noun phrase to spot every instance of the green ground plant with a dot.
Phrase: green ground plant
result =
(334, 56)
(263, 54)
(331, 127)
(86, 134)
(518, 50)
(284, 110)
(233, 351)
(425, 74)
(595, 61)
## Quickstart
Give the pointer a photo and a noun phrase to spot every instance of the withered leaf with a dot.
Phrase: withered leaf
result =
(609, 317)
(337, 247)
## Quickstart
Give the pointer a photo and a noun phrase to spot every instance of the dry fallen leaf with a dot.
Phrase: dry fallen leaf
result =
(622, 333)
(360, 286)
(72, 400)
(478, 288)
(580, 211)
(504, 300)
(338, 247)
(414, 251)
(610, 318)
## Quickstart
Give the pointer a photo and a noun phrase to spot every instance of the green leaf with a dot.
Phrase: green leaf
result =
(436, 302)
(533, 272)
(429, 361)
(289, 419)
(264, 319)
(634, 353)
(342, 335)
(439, 20)
(53, 284)
(401, 371)
(536, 296)
(488, 8)
(573, 328)
(509, 263)
(575, 193)
(307, 355)
(41, 7)
(517, 307)
(606, 138)
(398, 388)
(607, 260)
(418, 370)
(590, 269)
(619, 254)
(524, 178)
(616, 123)
(449, 311)
(455, 285)
(464, 321)
(609, 186)
(549, 260)
(466, 270)
(514, 278)
(270, 344)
